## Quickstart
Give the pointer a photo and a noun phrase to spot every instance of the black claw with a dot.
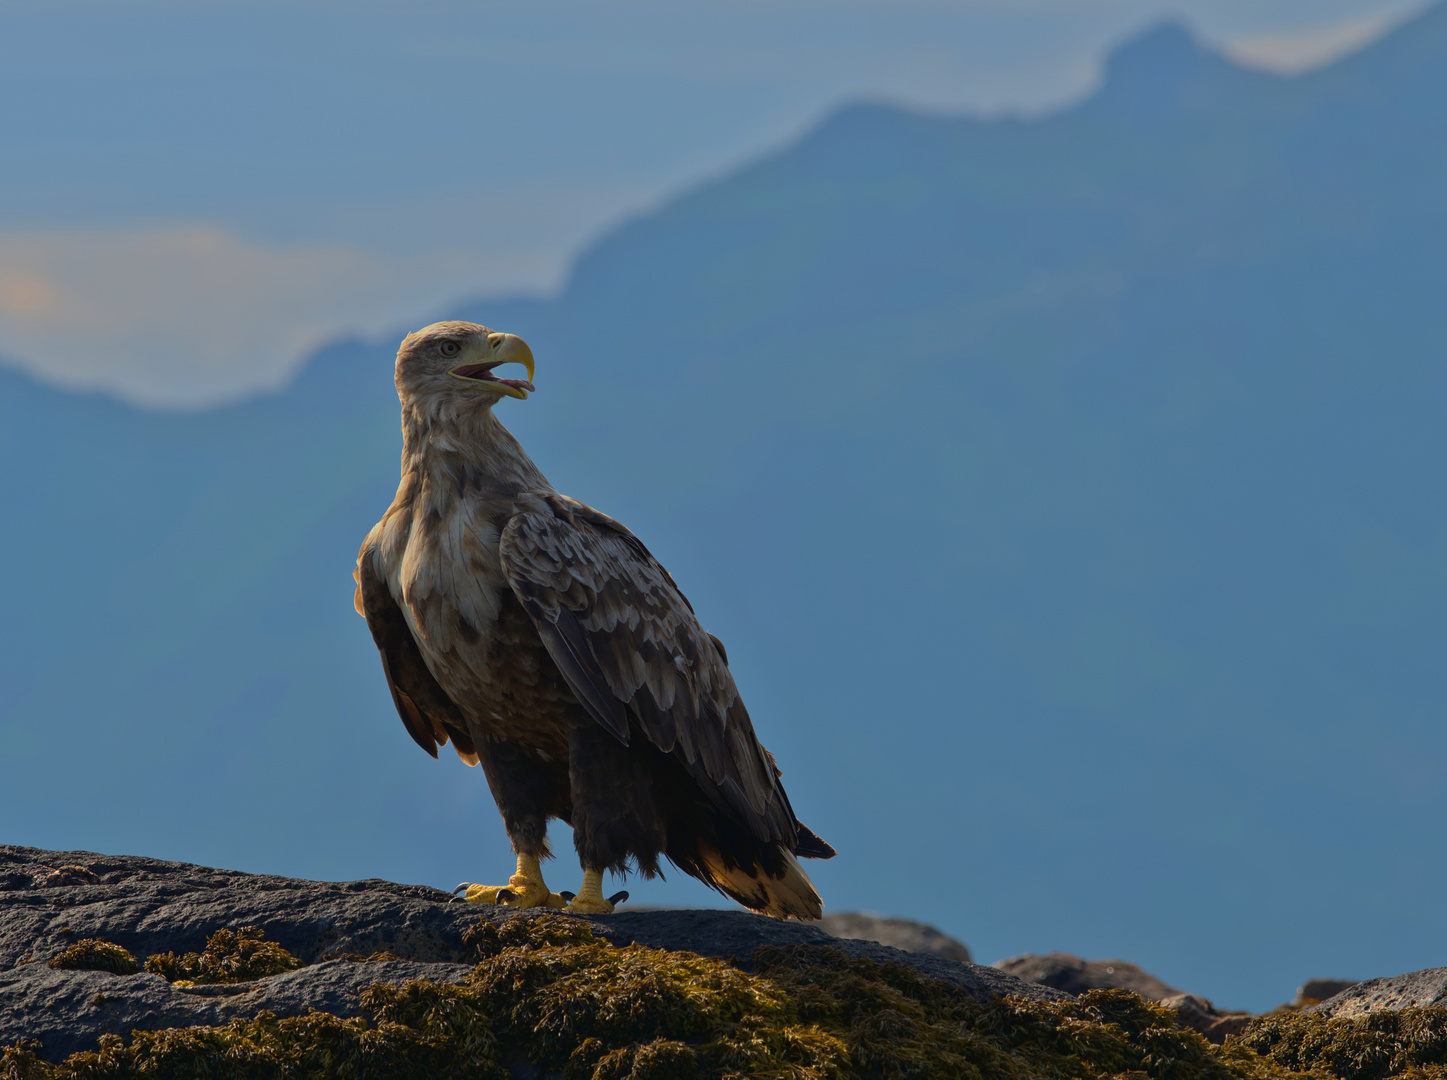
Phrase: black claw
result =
(568, 896)
(460, 889)
(618, 897)
(504, 895)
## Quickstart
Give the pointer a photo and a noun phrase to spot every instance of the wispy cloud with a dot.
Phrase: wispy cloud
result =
(373, 162)
(185, 316)
(1292, 52)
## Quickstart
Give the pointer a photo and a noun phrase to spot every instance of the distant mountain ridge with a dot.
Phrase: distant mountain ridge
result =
(1066, 492)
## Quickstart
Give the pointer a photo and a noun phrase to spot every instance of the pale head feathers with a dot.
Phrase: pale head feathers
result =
(427, 356)
(451, 441)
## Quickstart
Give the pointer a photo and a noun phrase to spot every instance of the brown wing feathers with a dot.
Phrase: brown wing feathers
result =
(428, 713)
(624, 635)
(568, 646)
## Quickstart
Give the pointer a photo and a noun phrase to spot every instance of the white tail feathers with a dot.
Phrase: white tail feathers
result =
(789, 897)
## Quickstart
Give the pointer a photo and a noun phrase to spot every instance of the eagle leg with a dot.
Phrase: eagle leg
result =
(589, 898)
(525, 889)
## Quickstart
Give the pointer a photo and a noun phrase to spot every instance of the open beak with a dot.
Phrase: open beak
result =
(505, 349)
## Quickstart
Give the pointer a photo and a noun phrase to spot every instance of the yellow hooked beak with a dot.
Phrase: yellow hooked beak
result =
(503, 349)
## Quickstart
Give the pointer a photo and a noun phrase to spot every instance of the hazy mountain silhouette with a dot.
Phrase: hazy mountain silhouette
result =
(1067, 491)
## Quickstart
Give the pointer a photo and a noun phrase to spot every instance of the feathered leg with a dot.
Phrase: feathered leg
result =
(526, 796)
(616, 820)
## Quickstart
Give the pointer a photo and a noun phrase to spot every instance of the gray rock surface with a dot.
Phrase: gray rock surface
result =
(49, 900)
(1200, 1015)
(1075, 976)
(68, 1010)
(1192, 1012)
(906, 934)
(1414, 989)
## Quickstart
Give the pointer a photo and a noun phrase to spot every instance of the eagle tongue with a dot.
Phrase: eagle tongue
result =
(474, 371)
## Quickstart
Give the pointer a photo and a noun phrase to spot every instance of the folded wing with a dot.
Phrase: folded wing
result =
(631, 649)
(431, 717)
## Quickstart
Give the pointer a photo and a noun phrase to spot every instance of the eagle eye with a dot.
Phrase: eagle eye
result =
(449, 348)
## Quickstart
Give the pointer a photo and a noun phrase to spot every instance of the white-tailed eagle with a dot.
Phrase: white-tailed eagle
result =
(543, 641)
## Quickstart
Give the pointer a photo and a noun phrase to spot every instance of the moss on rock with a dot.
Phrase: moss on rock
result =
(549, 990)
(231, 956)
(96, 954)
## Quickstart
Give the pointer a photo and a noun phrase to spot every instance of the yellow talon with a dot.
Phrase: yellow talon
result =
(525, 889)
(589, 900)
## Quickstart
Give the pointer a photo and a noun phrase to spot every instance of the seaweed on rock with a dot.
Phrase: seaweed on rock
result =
(96, 954)
(317, 1045)
(551, 991)
(1407, 1043)
(231, 956)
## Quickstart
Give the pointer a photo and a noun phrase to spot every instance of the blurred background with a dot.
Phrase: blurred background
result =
(1042, 400)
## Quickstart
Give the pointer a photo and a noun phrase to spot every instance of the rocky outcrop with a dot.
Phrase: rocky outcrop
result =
(346, 936)
(1416, 989)
(1315, 991)
(1075, 976)
(98, 951)
(906, 934)
(1198, 1014)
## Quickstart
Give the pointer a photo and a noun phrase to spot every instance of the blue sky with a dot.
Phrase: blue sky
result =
(192, 196)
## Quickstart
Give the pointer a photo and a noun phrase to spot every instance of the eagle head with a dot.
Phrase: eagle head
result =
(456, 359)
